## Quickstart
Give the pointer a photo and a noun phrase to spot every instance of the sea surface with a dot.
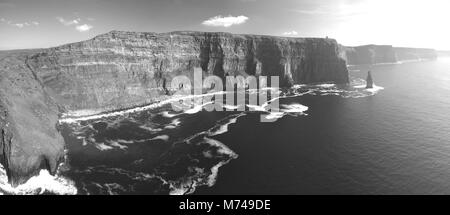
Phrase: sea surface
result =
(325, 139)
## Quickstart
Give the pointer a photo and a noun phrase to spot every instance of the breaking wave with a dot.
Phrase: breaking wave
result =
(160, 151)
(43, 183)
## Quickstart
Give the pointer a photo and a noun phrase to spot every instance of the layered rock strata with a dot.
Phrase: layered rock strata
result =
(121, 70)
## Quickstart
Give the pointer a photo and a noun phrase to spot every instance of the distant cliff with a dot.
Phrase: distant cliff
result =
(379, 54)
(443, 53)
(407, 54)
(369, 54)
(126, 69)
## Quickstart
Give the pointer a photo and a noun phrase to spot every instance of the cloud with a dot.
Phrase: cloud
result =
(18, 25)
(84, 27)
(290, 33)
(221, 21)
(68, 22)
(81, 27)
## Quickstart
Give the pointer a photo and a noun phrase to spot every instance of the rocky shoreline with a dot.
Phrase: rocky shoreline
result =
(121, 70)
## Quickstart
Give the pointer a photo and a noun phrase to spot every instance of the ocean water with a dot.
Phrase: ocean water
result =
(325, 139)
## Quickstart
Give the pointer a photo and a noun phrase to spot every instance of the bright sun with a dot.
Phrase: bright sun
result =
(412, 23)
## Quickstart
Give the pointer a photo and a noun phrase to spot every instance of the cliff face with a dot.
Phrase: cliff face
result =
(121, 69)
(125, 69)
(405, 54)
(376, 54)
(370, 54)
(29, 140)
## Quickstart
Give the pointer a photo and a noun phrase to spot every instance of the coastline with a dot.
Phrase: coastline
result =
(83, 115)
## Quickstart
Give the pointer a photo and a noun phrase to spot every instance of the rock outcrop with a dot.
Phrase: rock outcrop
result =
(382, 54)
(369, 80)
(121, 70)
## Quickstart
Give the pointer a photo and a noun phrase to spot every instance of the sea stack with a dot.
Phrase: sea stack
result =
(121, 69)
(369, 80)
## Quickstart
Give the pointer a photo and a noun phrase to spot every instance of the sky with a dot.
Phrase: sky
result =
(404, 23)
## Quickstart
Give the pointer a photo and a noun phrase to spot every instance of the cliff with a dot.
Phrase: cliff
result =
(443, 53)
(415, 54)
(29, 140)
(379, 54)
(369, 54)
(126, 69)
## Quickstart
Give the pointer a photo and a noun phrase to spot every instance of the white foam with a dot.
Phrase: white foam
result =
(84, 142)
(230, 107)
(326, 85)
(294, 108)
(197, 108)
(83, 115)
(170, 127)
(174, 124)
(125, 141)
(176, 191)
(375, 89)
(168, 115)
(298, 86)
(360, 86)
(356, 89)
(212, 178)
(103, 147)
(261, 108)
(183, 188)
(207, 154)
(43, 182)
(222, 128)
(161, 137)
(117, 144)
(274, 115)
(223, 149)
(113, 188)
(150, 128)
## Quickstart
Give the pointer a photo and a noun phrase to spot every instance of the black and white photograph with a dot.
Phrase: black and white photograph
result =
(224, 97)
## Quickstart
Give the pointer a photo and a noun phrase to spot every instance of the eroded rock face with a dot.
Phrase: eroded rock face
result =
(123, 69)
(29, 140)
(126, 69)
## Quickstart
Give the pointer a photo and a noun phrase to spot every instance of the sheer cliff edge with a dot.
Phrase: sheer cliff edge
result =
(119, 70)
